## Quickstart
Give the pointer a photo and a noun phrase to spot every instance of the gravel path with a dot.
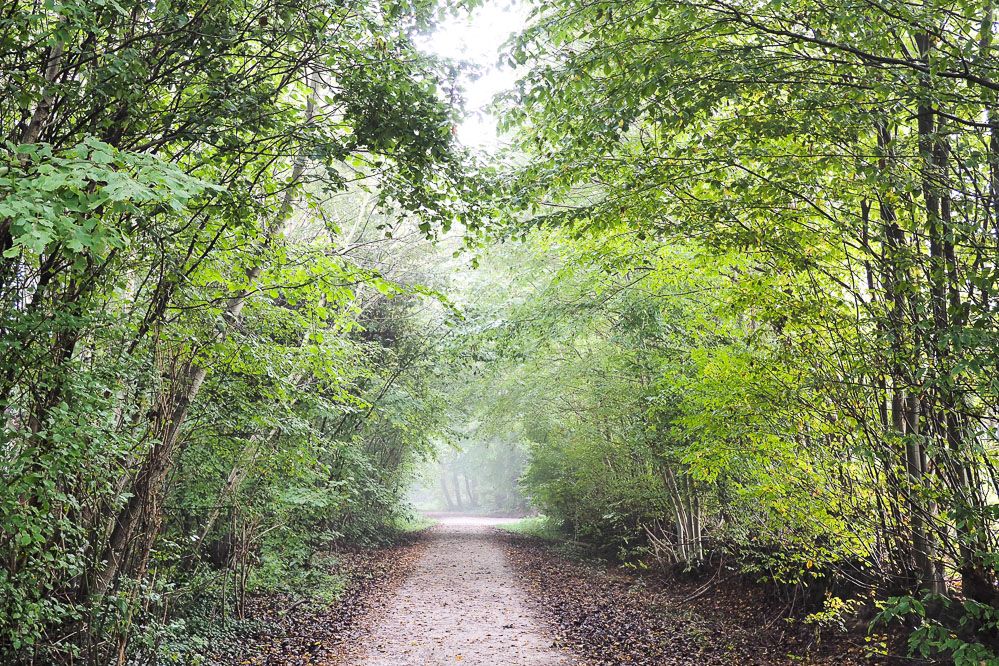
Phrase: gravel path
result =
(460, 605)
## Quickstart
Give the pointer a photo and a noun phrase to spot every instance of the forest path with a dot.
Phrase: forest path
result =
(460, 605)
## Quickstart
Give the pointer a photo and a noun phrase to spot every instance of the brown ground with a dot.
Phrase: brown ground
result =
(460, 604)
(615, 617)
(465, 592)
(296, 632)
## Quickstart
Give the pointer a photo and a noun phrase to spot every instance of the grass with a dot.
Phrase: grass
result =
(416, 522)
(541, 527)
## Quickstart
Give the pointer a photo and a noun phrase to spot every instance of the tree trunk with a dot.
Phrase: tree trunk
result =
(468, 489)
(444, 490)
(457, 490)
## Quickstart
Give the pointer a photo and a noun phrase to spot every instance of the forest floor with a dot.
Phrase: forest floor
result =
(614, 616)
(310, 632)
(465, 592)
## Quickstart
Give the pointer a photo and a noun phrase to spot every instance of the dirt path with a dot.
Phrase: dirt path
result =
(460, 605)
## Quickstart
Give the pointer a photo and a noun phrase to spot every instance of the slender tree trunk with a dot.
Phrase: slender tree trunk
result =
(904, 418)
(444, 490)
(932, 186)
(40, 116)
(680, 513)
(468, 489)
(457, 490)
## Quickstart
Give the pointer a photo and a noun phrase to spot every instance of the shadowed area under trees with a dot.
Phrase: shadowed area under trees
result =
(721, 307)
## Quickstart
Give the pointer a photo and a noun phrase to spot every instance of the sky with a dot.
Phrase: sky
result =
(478, 38)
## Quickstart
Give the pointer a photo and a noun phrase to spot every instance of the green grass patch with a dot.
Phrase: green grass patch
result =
(416, 522)
(541, 527)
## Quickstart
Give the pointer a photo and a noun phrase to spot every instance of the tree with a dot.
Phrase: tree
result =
(159, 162)
(842, 150)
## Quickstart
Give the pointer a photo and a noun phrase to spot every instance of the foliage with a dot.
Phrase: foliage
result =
(751, 319)
(541, 527)
(949, 633)
(196, 394)
(770, 302)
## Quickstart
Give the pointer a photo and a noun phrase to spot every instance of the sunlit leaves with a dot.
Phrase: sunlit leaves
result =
(71, 200)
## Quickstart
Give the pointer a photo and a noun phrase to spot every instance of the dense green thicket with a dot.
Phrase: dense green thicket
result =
(200, 366)
(771, 329)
